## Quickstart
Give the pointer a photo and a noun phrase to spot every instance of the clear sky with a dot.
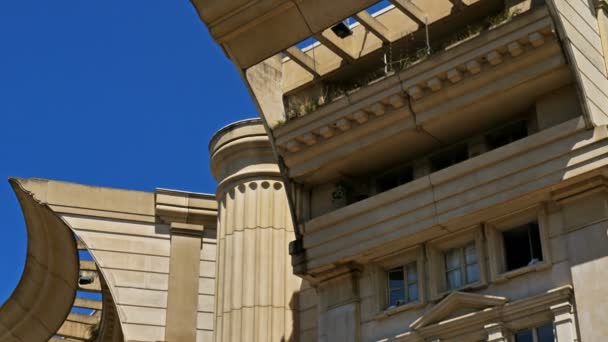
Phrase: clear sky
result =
(113, 93)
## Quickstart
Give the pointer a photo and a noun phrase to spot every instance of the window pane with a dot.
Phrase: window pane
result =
(412, 273)
(517, 247)
(454, 279)
(412, 292)
(470, 254)
(524, 336)
(535, 242)
(396, 297)
(545, 333)
(452, 259)
(395, 278)
(472, 273)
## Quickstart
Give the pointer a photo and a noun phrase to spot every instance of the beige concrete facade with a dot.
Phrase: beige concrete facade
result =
(459, 196)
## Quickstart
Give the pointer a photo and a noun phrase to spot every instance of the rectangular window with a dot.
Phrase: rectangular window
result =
(402, 285)
(539, 334)
(461, 266)
(522, 246)
(394, 178)
(449, 157)
(507, 134)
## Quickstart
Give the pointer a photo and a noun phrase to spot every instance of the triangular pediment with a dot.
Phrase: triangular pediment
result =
(457, 304)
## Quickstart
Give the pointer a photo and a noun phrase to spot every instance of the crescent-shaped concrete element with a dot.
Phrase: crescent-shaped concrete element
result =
(44, 296)
(151, 267)
(42, 307)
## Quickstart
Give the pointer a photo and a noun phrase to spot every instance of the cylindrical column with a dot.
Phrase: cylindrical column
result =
(256, 289)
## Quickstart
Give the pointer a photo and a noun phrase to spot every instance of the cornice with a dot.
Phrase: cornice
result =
(174, 207)
(187, 229)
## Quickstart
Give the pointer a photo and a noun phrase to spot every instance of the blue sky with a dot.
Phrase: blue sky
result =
(113, 93)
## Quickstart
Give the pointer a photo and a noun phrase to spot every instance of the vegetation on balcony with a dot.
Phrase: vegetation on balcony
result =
(395, 59)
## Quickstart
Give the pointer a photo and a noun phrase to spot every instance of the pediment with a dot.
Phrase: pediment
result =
(455, 305)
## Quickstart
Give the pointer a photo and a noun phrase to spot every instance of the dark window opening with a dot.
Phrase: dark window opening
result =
(393, 179)
(507, 134)
(522, 246)
(449, 157)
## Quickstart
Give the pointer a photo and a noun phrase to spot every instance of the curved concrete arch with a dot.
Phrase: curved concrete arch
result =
(110, 328)
(44, 296)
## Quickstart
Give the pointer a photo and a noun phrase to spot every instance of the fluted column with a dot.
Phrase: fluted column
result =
(256, 289)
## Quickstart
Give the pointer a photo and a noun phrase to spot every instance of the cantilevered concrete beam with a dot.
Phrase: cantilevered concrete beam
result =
(303, 60)
(411, 10)
(88, 304)
(340, 46)
(79, 331)
(375, 26)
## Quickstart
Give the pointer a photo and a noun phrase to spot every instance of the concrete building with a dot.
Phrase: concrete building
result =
(422, 171)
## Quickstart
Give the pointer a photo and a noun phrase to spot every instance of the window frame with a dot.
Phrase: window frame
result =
(497, 253)
(463, 264)
(405, 269)
(437, 269)
(413, 255)
(534, 329)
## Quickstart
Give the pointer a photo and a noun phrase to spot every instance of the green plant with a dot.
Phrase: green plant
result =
(297, 106)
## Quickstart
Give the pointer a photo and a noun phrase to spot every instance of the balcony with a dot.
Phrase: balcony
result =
(511, 178)
(472, 85)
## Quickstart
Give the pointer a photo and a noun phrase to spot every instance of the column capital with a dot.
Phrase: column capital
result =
(187, 229)
(601, 5)
(496, 332)
(562, 311)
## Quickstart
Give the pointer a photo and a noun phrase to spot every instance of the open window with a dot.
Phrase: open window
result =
(518, 244)
(522, 246)
(402, 285)
(400, 281)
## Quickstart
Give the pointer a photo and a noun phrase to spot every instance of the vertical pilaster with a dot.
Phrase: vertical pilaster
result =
(340, 305)
(563, 322)
(601, 7)
(256, 289)
(182, 298)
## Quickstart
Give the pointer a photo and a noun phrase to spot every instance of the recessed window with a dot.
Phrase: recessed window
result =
(522, 246)
(507, 134)
(402, 285)
(461, 266)
(449, 157)
(539, 334)
(394, 178)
